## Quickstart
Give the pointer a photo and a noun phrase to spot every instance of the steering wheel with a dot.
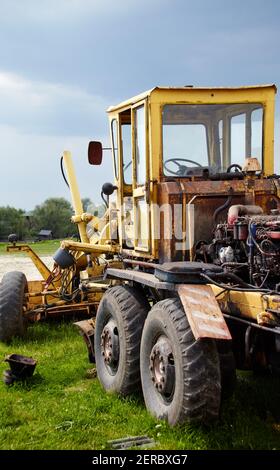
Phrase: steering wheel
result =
(181, 168)
(238, 168)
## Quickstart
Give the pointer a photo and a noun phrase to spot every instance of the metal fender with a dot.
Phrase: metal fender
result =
(203, 312)
(86, 328)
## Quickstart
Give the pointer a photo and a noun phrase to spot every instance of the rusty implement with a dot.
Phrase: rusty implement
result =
(203, 312)
(21, 368)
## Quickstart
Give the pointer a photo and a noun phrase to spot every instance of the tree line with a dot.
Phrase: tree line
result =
(53, 214)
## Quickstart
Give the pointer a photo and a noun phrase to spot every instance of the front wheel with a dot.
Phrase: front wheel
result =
(118, 327)
(180, 375)
(12, 299)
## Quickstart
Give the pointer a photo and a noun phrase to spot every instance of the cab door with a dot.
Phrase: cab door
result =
(140, 178)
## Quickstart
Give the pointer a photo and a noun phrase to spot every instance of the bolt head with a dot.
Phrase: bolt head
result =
(162, 379)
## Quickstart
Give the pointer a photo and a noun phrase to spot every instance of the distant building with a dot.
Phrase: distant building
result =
(45, 235)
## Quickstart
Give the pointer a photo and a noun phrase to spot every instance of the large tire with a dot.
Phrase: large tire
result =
(12, 300)
(119, 323)
(227, 367)
(191, 388)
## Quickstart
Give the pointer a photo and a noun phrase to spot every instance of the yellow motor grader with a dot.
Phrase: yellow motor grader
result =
(180, 278)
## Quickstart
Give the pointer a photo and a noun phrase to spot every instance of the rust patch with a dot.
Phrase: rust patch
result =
(203, 312)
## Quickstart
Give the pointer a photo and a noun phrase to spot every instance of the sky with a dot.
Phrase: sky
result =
(63, 62)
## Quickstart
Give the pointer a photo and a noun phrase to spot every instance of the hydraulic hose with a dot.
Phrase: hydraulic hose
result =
(237, 289)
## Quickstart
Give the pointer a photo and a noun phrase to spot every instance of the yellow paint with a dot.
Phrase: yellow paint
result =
(75, 195)
(245, 304)
(88, 247)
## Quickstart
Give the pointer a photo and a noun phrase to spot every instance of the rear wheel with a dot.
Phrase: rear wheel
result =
(12, 299)
(119, 324)
(180, 375)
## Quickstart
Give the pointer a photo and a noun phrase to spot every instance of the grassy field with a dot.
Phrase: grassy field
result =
(61, 407)
(43, 248)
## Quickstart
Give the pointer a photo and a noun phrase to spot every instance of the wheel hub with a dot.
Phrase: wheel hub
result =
(162, 367)
(110, 349)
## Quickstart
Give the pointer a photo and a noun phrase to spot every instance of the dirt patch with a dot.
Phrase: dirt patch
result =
(18, 263)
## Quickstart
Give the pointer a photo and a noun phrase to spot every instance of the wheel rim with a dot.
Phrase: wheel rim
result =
(162, 368)
(110, 346)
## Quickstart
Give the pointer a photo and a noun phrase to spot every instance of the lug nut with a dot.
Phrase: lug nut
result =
(103, 353)
(151, 368)
(153, 379)
(162, 379)
(160, 387)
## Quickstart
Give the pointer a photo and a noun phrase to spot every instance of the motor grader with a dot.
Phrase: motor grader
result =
(184, 265)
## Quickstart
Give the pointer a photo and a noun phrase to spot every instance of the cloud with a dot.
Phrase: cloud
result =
(50, 108)
(31, 167)
(38, 120)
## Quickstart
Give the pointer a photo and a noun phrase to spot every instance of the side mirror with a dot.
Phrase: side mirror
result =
(95, 153)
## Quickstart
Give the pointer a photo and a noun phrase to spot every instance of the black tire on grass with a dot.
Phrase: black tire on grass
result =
(12, 299)
(123, 309)
(194, 389)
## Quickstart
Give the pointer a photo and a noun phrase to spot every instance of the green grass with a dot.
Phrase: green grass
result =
(60, 408)
(43, 248)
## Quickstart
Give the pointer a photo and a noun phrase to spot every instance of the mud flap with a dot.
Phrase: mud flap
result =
(86, 328)
(203, 312)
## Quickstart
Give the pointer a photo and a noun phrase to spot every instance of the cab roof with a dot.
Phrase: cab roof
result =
(189, 88)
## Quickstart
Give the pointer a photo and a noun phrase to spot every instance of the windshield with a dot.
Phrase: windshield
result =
(210, 137)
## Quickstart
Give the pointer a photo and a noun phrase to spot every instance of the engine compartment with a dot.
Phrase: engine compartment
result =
(246, 245)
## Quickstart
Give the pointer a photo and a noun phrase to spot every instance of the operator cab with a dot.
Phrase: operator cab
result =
(186, 146)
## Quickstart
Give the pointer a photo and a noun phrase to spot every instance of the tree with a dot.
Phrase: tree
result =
(12, 221)
(55, 215)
